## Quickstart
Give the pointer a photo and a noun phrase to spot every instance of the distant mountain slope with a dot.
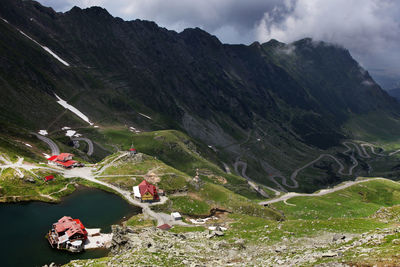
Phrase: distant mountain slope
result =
(292, 98)
(395, 92)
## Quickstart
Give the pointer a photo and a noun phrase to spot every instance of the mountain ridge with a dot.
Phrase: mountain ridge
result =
(296, 98)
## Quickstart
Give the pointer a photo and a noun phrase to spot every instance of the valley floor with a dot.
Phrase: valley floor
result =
(353, 223)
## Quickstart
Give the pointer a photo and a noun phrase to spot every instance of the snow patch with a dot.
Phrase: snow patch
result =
(134, 130)
(70, 133)
(73, 109)
(144, 115)
(367, 83)
(96, 126)
(55, 55)
(48, 50)
(46, 155)
(77, 135)
(28, 145)
(43, 132)
(66, 128)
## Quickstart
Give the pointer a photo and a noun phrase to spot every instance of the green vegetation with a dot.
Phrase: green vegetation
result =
(260, 230)
(212, 196)
(358, 201)
(14, 188)
(125, 183)
(190, 206)
(375, 127)
(139, 221)
(144, 167)
(185, 229)
(181, 152)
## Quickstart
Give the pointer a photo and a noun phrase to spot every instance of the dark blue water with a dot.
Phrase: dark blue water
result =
(23, 226)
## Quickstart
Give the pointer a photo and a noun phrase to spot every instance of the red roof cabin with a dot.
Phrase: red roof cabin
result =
(148, 192)
(132, 151)
(64, 157)
(73, 228)
(49, 178)
(164, 227)
(63, 160)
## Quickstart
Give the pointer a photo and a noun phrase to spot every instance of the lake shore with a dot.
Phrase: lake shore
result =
(95, 208)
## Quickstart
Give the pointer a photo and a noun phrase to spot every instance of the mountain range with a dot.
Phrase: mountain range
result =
(273, 105)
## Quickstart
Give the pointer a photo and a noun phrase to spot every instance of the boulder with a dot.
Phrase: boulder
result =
(30, 180)
(219, 233)
(281, 249)
(396, 241)
(337, 237)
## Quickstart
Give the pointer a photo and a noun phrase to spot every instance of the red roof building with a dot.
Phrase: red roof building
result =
(64, 157)
(52, 158)
(49, 178)
(164, 227)
(148, 191)
(64, 160)
(73, 228)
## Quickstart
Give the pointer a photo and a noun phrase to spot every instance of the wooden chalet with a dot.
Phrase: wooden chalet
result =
(146, 192)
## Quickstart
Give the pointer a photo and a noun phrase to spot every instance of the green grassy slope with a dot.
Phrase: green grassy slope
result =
(358, 201)
(191, 199)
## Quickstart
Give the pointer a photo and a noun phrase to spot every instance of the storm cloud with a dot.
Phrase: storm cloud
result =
(370, 29)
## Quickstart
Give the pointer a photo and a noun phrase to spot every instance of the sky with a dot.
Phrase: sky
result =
(370, 29)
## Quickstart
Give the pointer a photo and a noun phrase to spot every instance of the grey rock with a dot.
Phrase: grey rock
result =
(329, 254)
(30, 180)
(396, 241)
(219, 233)
(281, 249)
(337, 237)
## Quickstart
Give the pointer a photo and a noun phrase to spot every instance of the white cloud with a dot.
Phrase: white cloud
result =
(370, 29)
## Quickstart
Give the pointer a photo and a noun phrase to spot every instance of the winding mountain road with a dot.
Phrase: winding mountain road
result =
(88, 141)
(54, 148)
(362, 153)
(319, 193)
(250, 181)
(351, 147)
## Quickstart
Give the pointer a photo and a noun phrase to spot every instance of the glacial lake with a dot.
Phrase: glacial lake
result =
(23, 226)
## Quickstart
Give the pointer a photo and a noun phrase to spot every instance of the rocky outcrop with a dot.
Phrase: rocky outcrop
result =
(152, 246)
